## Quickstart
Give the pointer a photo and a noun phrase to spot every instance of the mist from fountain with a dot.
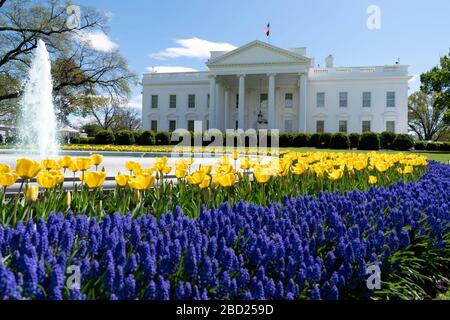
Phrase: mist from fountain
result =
(37, 124)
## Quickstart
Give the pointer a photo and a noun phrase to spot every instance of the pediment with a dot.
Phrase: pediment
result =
(257, 52)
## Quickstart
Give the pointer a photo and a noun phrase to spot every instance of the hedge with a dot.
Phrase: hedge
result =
(325, 140)
(162, 138)
(124, 138)
(286, 140)
(104, 137)
(402, 142)
(147, 138)
(354, 140)
(369, 141)
(386, 139)
(300, 140)
(340, 140)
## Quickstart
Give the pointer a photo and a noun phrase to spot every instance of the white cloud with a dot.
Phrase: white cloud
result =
(192, 48)
(169, 69)
(135, 102)
(98, 41)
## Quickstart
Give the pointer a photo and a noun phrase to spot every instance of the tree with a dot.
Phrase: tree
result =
(128, 119)
(81, 71)
(425, 119)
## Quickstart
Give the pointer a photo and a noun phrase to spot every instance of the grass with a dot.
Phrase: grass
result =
(440, 156)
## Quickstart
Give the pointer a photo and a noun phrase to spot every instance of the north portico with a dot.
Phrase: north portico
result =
(262, 86)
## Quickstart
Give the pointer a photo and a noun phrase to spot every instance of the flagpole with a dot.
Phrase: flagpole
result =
(269, 31)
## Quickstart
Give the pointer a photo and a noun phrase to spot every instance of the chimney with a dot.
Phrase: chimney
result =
(329, 61)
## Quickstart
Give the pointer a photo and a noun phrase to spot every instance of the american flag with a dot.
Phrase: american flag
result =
(267, 29)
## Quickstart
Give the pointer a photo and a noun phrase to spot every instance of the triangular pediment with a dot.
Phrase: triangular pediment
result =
(257, 52)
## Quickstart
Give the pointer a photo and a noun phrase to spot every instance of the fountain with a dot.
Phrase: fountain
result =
(37, 125)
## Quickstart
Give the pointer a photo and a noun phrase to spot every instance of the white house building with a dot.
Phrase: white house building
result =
(262, 86)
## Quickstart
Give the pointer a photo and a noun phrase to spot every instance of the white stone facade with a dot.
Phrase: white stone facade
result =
(261, 86)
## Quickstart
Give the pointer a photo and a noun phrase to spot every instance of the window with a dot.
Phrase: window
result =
(320, 99)
(237, 101)
(263, 98)
(288, 100)
(154, 126)
(237, 125)
(208, 98)
(320, 126)
(288, 125)
(365, 126)
(390, 99)
(172, 125)
(173, 101)
(154, 101)
(190, 125)
(367, 99)
(343, 99)
(390, 126)
(343, 126)
(191, 101)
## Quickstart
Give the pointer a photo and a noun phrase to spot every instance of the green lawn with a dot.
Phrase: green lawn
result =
(440, 156)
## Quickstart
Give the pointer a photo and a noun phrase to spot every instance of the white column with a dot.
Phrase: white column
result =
(241, 117)
(217, 112)
(226, 109)
(212, 101)
(302, 94)
(271, 103)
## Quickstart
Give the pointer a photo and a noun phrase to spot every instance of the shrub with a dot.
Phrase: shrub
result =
(286, 140)
(300, 140)
(75, 140)
(136, 135)
(1, 138)
(84, 141)
(403, 142)
(420, 145)
(431, 146)
(444, 146)
(369, 141)
(324, 140)
(314, 140)
(124, 138)
(340, 140)
(354, 139)
(147, 138)
(90, 140)
(162, 138)
(104, 137)
(386, 139)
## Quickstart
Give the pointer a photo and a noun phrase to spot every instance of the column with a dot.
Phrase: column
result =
(302, 95)
(271, 106)
(241, 117)
(227, 110)
(212, 100)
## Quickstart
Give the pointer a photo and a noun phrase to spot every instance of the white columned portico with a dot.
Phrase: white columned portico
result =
(271, 102)
(302, 94)
(241, 116)
(226, 109)
(212, 100)
(218, 110)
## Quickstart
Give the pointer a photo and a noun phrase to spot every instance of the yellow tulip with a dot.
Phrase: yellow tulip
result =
(73, 167)
(141, 182)
(408, 169)
(227, 180)
(94, 179)
(235, 155)
(133, 166)
(262, 176)
(196, 178)
(245, 163)
(83, 164)
(31, 192)
(180, 173)
(206, 169)
(360, 165)
(65, 162)
(122, 179)
(336, 175)
(373, 180)
(49, 180)
(27, 168)
(49, 164)
(167, 169)
(299, 168)
(96, 159)
(8, 179)
(205, 183)
(381, 166)
(4, 168)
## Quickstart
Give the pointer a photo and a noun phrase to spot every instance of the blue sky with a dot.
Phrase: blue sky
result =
(416, 31)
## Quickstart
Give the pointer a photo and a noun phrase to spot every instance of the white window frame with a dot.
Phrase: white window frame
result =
(322, 104)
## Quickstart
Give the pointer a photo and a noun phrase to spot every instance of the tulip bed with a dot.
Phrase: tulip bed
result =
(233, 179)
(303, 248)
